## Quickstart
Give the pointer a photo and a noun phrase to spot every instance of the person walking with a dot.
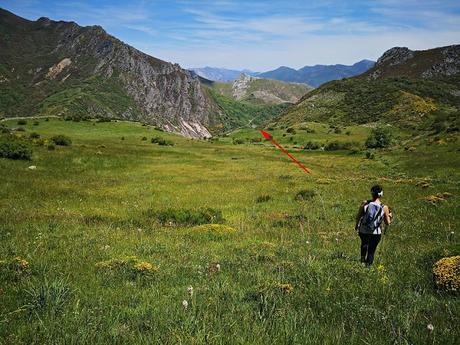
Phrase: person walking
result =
(368, 224)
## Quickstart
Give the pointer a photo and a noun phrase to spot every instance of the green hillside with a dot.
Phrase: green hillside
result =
(408, 103)
(260, 91)
(243, 114)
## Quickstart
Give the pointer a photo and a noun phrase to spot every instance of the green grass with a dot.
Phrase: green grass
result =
(98, 200)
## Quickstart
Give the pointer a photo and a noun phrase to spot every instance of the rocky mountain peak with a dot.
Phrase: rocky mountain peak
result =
(395, 56)
(403, 62)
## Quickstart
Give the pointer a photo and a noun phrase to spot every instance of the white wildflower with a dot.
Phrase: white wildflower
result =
(185, 304)
(430, 327)
(32, 167)
(218, 267)
(190, 291)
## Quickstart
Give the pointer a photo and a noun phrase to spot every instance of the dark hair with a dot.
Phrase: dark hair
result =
(376, 191)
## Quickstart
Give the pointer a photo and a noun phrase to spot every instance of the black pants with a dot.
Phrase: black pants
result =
(369, 244)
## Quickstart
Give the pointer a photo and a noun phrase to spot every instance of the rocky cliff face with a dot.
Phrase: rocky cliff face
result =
(401, 61)
(89, 70)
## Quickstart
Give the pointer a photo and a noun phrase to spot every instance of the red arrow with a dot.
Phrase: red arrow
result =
(269, 137)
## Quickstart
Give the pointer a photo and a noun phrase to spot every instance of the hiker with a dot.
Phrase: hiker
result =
(368, 224)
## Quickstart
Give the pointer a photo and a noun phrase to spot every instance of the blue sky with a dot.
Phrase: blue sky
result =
(260, 35)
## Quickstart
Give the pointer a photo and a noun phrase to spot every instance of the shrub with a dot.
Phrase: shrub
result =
(47, 119)
(122, 138)
(305, 194)
(36, 123)
(20, 129)
(51, 147)
(161, 141)
(34, 135)
(15, 150)
(144, 138)
(311, 145)
(263, 198)
(446, 274)
(22, 122)
(238, 141)
(103, 119)
(61, 140)
(337, 145)
(370, 155)
(337, 130)
(380, 137)
(188, 217)
(291, 130)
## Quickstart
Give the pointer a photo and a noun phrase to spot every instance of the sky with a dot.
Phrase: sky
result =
(260, 35)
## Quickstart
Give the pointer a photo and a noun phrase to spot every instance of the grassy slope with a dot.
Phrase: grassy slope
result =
(80, 207)
(288, 92)
(415, 104)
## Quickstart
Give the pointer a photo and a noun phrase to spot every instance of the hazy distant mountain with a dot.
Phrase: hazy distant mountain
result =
(221, 74)
(318, 74)
(412, 89)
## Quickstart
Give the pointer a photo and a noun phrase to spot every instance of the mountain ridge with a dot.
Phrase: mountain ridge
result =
(60, 68)
(397, 91)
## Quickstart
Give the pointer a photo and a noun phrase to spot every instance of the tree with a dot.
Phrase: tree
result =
(380, 137)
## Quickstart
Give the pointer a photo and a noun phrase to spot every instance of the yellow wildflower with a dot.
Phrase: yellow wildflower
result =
(286, 288)
(446, 273)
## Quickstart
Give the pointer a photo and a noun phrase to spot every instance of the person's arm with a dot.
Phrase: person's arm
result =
(387, 216)
(360, 215)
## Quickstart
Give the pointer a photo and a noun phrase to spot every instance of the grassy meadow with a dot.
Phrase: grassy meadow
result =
(114, 231)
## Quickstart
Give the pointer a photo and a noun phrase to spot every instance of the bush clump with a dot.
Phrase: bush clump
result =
(446, 274)
(129, 267)
(187, 217)
(61, 140)
(161, 141)
(34, 135)
(263, 198)
(305, 194)
(15, 150)
(311, 145)
(22, 122)
(380, 137)
(238, 141)
(338, 145)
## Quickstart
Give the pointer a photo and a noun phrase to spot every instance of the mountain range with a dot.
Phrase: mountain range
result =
(310, 75)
